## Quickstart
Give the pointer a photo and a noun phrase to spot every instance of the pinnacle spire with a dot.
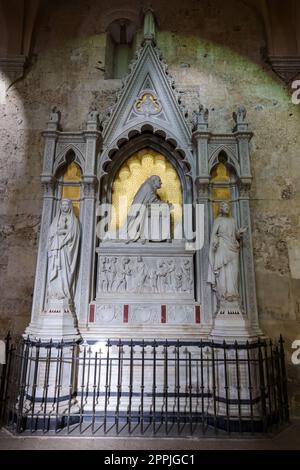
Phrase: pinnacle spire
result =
(149, 26)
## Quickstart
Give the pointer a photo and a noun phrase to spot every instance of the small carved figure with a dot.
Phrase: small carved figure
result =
(240, 116)
(103, 276)
(153, 280)
(111, 272)
(121, 283)
(162, 272)
(141, 274)
(171, 276)
(178, 280)
(186, 276)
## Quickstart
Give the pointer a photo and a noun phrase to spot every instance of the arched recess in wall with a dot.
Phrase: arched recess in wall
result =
(120, 47)
(69, 181)
(163, 158)
(223, 183)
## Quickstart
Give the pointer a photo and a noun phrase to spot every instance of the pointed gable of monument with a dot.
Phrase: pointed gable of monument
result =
(148, 97)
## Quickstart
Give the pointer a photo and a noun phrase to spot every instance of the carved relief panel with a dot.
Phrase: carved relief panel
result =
(139, 275)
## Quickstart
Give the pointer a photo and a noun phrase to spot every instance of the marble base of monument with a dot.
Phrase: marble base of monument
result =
(231, 324)
(58, 323)
(144, 285)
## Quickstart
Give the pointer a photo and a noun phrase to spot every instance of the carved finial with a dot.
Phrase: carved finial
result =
(200, 118)
(93, 116)
(239, 119)
(54, 115)
(54, 119)
(93, 121)
(149, 25)
(240, 116)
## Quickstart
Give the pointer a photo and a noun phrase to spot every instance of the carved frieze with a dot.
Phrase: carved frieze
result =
(140, 275)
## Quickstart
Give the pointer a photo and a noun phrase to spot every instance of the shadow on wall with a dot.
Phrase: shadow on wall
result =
(20, 158)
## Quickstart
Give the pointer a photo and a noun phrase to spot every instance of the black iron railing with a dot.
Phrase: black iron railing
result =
(141, 387)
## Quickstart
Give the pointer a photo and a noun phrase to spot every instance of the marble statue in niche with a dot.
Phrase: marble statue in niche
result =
(137, 225)
(224, 261)
(63, 244)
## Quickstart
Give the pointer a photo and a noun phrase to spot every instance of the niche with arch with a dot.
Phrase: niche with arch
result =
(138, 158)
(133, 173)
(223, 183)
(69, 180)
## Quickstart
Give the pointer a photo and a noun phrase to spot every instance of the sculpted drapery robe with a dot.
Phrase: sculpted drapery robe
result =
(135, 225)
(224, 259)
(62, 254)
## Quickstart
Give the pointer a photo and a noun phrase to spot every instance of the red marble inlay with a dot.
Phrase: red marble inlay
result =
(125, 314)
(163, 314)
(197, 313)
(92, 313)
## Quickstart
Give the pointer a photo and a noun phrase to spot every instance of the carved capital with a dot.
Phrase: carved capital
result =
(48, 185)
(244, 188)
(90, 184)
(202, 186)
(201, 135)
(242, 135)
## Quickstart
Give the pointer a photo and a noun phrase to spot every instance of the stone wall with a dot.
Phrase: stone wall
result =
(215, 51)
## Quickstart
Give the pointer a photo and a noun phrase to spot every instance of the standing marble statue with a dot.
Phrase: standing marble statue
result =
(63, 244)
(224, 261)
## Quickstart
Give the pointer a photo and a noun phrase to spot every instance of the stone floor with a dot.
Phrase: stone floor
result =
(287, 439)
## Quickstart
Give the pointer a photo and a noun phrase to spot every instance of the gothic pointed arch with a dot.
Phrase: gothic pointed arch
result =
(148, 99)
